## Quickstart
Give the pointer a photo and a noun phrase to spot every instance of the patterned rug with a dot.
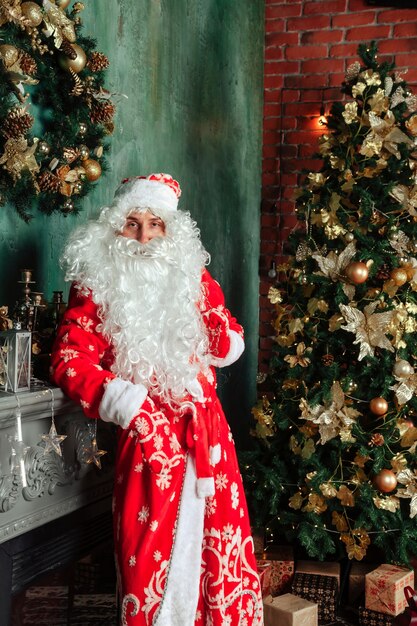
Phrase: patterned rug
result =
(48, 606)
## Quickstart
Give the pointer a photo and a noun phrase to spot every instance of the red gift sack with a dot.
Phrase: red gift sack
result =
(411, 597)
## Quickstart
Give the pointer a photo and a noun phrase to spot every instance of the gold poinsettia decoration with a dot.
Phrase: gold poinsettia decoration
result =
(334, 265)
(327, 217)
(57, 24)
(339, 521)
(328, 490)
(356, 542)
(389, 503)
(299, 358)
(315, 504)
(296, 501)
(345, 495)
(406, 386)
(409, 479)
(274, 295)
(369, 327)
(334, 419)
(407, 197)
(264, 416)
(18, 156)
(383, 135)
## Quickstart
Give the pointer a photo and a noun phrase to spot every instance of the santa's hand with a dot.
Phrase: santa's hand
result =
(121, 402)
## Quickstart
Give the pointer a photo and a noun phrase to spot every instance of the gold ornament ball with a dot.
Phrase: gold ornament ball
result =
(349, 237)
(399, 276)
(77, 64)
(63, 4)
(357, 272)
(32, 12)
(68, 206)
(84, 152)
(8, 54)
(378, 406)
(92, 169)
(402, 369)
(82, 129)
(44, 148)
(385, 481)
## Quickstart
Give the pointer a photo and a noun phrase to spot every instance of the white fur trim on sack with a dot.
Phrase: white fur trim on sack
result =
(179, 603)
(121, 402)
(237, 346)
(140, 193)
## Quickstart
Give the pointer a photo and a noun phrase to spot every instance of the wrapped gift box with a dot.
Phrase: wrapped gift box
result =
(384, 589)
(289, 610)
(282, 568)
(264, 573)
(324, 568)
(322, 590)
(373, 618)
(357, 575)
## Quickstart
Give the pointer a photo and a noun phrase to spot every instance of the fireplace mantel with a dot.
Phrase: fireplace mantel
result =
(54, 508)
(55, 485)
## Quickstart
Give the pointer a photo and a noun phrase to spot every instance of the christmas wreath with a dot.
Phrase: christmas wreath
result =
(55, 113)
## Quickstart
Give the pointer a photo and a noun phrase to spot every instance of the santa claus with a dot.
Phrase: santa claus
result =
(145, 327)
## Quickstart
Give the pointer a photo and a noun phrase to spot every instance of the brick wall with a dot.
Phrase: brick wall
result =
(308, 46)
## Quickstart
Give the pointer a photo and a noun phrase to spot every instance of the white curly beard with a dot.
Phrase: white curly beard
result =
(147, 297)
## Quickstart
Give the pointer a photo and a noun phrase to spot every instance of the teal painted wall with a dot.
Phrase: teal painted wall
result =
(192, 74)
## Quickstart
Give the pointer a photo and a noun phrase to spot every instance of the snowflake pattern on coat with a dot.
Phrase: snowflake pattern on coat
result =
(149, 477)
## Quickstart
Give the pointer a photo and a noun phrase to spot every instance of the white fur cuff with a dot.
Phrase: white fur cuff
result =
(205, 487)
(237, 345)
(215, 453)
(121, 402)
(196, 390)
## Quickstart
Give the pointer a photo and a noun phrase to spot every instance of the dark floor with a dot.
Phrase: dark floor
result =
(81, 595)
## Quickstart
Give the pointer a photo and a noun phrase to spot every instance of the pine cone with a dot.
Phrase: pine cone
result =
(97, 62)
(68, 50)
(102, 111)
(16, 123)
(327, 359)
(377, 440)
(48, 182)
(383, 273)
(28, 64)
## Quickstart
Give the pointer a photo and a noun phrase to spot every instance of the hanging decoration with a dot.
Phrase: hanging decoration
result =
(92, 454)
(55, 114)
(52, 439)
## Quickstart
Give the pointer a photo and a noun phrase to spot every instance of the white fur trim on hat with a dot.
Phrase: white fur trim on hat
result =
(140, 193)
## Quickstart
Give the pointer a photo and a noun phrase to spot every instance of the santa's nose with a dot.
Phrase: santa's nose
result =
(143, 235)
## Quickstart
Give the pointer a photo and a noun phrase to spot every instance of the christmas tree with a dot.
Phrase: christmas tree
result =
(334, 463)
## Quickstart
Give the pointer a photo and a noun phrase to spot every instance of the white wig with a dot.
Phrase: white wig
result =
(147, 294)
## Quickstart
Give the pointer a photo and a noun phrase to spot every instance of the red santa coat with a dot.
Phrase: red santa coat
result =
(182, 559)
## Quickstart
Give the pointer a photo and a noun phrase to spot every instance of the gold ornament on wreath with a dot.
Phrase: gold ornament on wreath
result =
(42, 47)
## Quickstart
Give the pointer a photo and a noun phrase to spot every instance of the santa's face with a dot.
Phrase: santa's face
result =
(143, 226)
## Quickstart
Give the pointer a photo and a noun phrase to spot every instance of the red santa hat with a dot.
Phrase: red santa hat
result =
(156, 191)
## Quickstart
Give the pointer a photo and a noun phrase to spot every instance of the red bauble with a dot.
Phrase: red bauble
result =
(385, 481)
